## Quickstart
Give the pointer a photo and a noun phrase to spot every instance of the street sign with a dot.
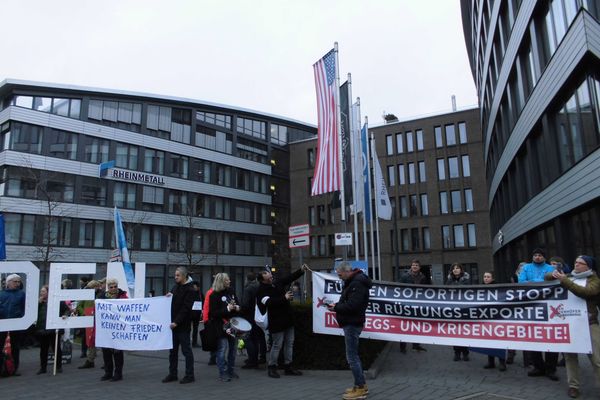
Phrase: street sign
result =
(299, 236)
(343, 239)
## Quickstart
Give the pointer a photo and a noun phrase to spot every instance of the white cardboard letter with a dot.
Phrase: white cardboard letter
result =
(31, 294)
(56, 295)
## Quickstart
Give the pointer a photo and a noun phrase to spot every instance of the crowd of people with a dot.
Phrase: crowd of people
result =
(268, 296)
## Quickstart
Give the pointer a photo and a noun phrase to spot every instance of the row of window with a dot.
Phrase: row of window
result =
(455, 205)
(407, 142)
(51, 186)
(411, 240)
(72, 146)
(46, 231)
(456, 236)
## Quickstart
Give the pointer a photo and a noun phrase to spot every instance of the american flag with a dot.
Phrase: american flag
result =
(326, 177)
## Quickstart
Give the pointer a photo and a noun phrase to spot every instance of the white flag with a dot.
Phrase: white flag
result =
(382, 200)
(357, 162)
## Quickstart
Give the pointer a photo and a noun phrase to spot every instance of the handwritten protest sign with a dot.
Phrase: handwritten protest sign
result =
(134, 324)
(543, 317)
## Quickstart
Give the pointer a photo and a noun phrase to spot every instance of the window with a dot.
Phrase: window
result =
(311, 157)
(57, 231)
(411, 173)
(403, 207)
(471, 235)
(279, 134)
(410, 146)
(115, 112)
(154, 161)
(221, 120)
(466, 167)
(314, 246)
(222, 208)
(459, 236)
(159, 119)
(251, 151)
(426, 239)
(450, 135)
(242, 212)
(391, 176)
(424, 204)
(177, 202)
(19, 228)
(124, 195)
(441, 169)
(91, 233)
(443, 202)
(322, 245)
(95, 150)
(419, 135)
(462, 132)
(64, 107)
(223, 175)
(389, 145)
(456, 202)
(414, 210)
(243, 180)
(446, 236)
(422, 174)
(252, 127)
(312, 216)
(401, 175)
(153, 198)
(150, 238)
(22, 183)
(93, 191)
(62, 145)
(321, 214)
(439, 141)
(26, 138)
(60, 187)
(179, 166)
(469, 200)
(400, 143)
(453, 167)
(126, 156)
(219, 141)
(181, 125)
(404, 240)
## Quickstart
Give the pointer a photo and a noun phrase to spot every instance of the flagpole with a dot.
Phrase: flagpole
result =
(364, 220)
(377, 202)
(339, 132)
(351, 166)
(371, 203)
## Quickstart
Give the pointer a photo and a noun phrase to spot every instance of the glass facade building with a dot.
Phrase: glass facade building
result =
(535, 66)
(198, 184)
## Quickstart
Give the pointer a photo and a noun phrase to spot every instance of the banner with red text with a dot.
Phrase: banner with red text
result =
(542, 316)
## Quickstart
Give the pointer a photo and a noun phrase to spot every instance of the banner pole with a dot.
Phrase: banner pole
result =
(55, 352)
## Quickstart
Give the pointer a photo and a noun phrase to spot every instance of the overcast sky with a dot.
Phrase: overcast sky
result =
(406, 57)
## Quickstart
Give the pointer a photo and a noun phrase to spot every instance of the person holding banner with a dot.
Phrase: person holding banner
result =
(181, 314)
(47, 337)
(416, 277)
(535, 271)
(458, 276)
(87, 307)
(12, 305)
(113, 358)
(583, 282)
(350, 315)
(223, 306)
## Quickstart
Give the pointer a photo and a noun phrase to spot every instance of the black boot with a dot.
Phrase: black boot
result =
(272, 371)
(456, 356)
(291, 371)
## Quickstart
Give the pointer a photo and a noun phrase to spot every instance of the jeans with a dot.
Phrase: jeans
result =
(183, 339)
(351, 337)
(573, 364)
(226, 344)
(281, 339)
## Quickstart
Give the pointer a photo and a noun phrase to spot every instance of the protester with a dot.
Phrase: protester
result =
(47, 337)
(416, 277)
(181, 316)
(83, 281)
(12, 305)
(560, 265)
(87, 308)
(458, 276)
(255, 342)
(113, 358)
(223, 306)
(196, 314)
(488, 279)
(534, 272)
(350, 314)
(583, 282)
(272, 297)
(212, 359)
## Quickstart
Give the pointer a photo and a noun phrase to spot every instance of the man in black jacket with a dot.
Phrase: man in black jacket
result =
(181, 316)
(255, 343)
(350, 314)
(273, 298)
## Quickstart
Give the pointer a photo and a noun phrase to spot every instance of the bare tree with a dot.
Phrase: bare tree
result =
(133, 228)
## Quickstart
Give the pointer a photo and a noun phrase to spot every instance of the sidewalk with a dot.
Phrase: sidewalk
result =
(429, 375)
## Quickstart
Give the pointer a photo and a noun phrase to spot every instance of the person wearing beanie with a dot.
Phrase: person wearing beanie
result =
(583, 282)
(535, 271)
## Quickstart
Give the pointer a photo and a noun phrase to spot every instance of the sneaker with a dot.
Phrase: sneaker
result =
(573, 392)
(41, 371)
(106, 377)
(366, 389)
(456, 357)
(233, 375)
(116, 378)
(502, 367)
(291, 371)
(465, 357)
(169, 378)
(272, 372)
(225, 378)
(356, 393)
(187, 379)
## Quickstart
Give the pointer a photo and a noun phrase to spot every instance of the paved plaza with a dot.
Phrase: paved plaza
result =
(429, 375)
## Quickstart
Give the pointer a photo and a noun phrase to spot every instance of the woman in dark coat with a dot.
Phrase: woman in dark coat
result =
(113, 358)
(458, 276)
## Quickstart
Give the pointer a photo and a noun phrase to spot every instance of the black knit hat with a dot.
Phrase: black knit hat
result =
(539, 251)
(590, 261)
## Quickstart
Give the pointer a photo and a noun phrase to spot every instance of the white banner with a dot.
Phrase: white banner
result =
(541, 317)
(134, 324)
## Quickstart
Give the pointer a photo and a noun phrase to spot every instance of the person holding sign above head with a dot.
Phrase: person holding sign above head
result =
(583, 282)
(181, 316)
(223, 306)
(113, 358)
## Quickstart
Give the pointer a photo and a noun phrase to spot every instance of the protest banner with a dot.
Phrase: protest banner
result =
(541, 317)
(134, 324)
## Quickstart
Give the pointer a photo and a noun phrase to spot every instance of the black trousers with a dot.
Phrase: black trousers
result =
(46, 342)
(195, 332)
(548, 365)
(181, 339)
(113, 362)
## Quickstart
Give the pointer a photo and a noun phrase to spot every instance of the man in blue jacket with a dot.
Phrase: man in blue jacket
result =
(534, 272)
(350, 314)
(12, 305)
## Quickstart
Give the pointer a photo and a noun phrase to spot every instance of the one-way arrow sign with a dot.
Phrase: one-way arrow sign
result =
(299, 241)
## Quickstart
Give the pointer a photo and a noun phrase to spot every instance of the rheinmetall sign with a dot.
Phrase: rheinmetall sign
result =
(108, 169)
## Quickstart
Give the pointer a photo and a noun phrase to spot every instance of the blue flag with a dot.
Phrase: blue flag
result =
(122, 246)
(2, 239)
